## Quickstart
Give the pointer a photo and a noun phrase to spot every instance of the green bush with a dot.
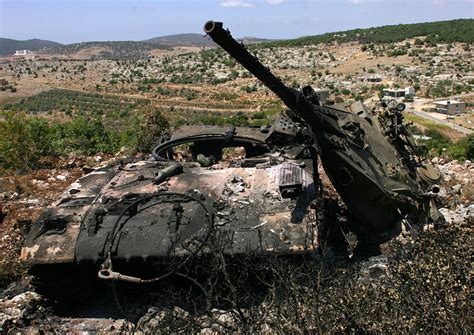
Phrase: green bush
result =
(149, 126)
(25, 139)
(463, 149)
(259, 115)
(437, 141)
(85, 136)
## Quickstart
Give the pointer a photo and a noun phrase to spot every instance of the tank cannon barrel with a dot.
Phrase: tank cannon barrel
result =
(374, 174)
(293, 99)
(224, 39)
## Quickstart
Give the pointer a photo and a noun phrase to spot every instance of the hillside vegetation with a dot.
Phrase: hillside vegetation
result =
(461, 30)
(112, 49)
(194, 39)
(78, 104)
(182, 40)
(9, 46)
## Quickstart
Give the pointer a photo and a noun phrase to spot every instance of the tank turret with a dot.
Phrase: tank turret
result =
(368, 154)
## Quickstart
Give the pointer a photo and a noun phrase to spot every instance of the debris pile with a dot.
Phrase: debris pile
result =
(458, 195)
(460, 215)
(157, 321)
(20, 311)
(455, 171)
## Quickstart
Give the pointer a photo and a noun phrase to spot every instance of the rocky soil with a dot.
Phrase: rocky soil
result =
(23, 310)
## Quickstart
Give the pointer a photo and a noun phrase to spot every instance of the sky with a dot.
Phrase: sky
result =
(71, 21)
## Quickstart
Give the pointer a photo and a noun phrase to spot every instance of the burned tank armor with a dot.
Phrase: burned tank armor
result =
(240, 190)
(369, 155)
(164, 207)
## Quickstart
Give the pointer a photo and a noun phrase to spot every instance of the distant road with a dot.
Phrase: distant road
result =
(444, 122)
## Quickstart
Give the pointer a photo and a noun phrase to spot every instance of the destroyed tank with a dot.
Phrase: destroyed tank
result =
(206, 188)
(236, 190)
(368, 154)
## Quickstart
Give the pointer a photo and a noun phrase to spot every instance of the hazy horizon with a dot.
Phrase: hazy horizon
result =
(72, 21)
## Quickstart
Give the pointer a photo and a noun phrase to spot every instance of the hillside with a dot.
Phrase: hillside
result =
(182, 40)
(108, 49)
(461, 30)
(9, 46)
(198, 40)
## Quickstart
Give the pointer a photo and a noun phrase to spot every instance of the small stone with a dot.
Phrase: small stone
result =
(457, 188)
(237, 179)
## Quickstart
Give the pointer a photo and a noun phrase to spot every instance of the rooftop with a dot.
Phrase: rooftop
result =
(394, 90)
(447, 102)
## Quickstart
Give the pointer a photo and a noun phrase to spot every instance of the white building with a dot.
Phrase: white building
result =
(394, 93)
(399, 92)
(23, 52)
(409, 91)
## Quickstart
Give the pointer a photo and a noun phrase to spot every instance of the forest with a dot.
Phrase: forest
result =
(461, 30)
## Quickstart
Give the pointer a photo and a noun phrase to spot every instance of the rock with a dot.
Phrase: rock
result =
(237, 179)
(156, 320)
(25, 297)
(457, 188)
(61, 178)
(442, 193)
(461, 215)
(226, 319)
(374, 268)
(16, 288)
(17, 310)
(240, 188)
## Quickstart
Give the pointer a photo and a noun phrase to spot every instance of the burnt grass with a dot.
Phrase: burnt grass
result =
(419, 284)
(424, 286)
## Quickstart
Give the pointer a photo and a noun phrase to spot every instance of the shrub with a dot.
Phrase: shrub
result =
(149, 126)
(84, 136)
(258, 115)
(463, 149)
(437, 142)
(24, 139)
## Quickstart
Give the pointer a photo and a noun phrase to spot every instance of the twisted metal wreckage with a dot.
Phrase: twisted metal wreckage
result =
(267, 201)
